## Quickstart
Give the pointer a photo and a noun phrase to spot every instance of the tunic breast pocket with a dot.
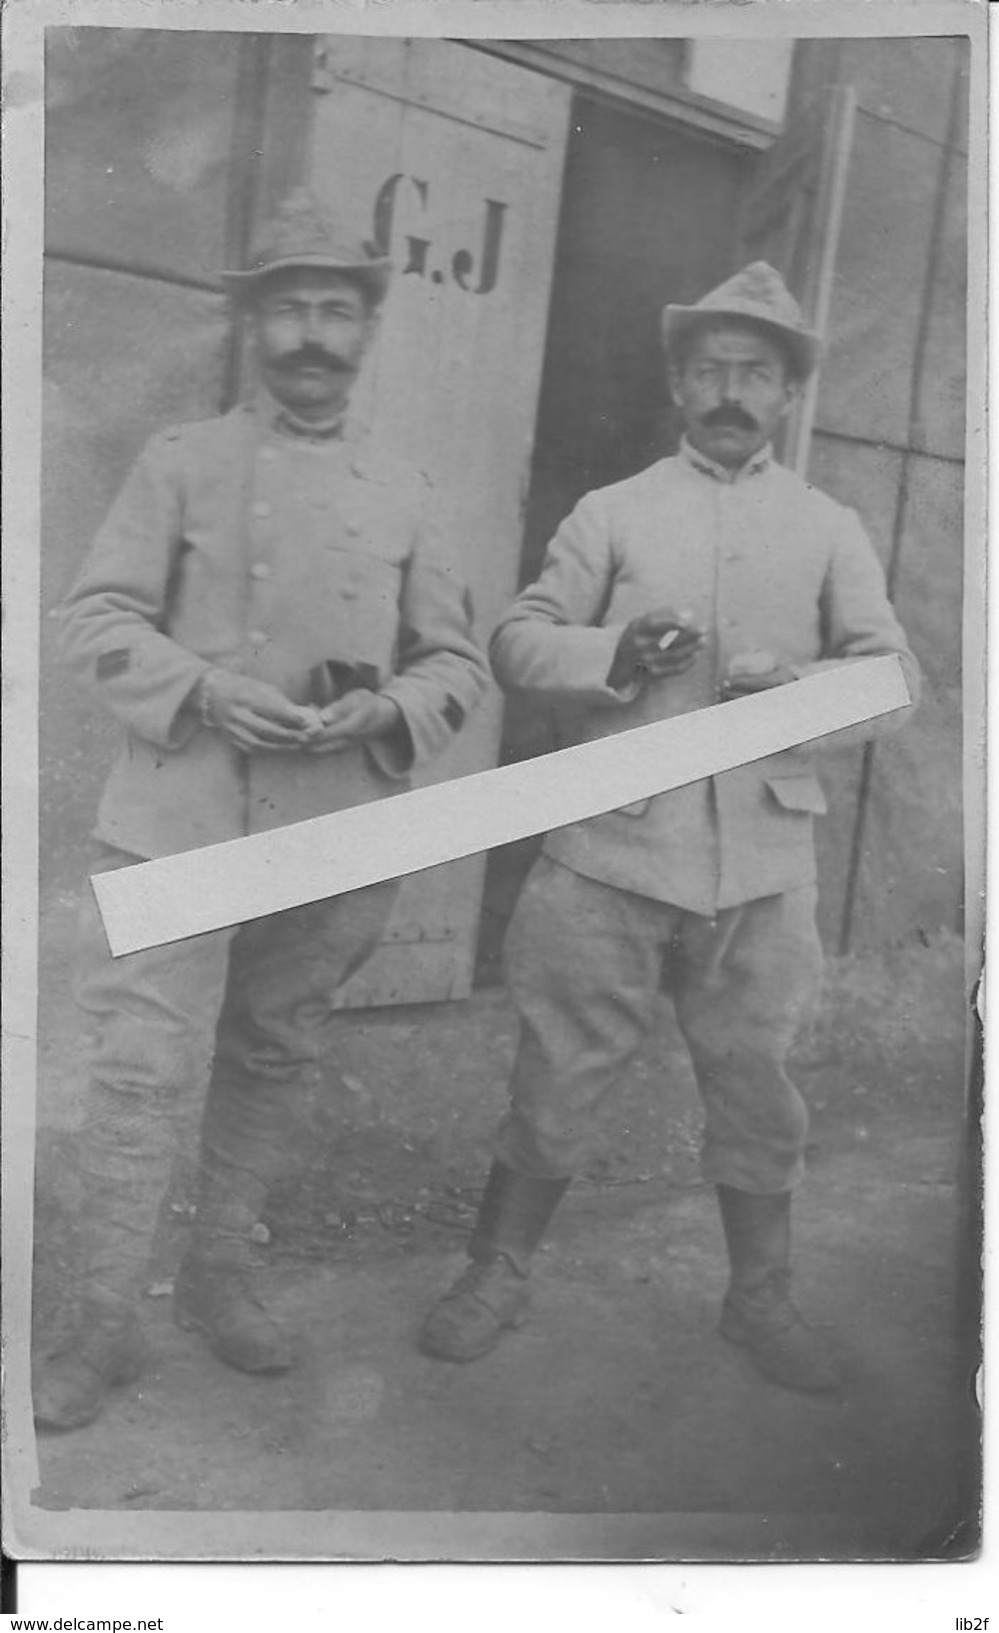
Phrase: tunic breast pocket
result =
(801, 793)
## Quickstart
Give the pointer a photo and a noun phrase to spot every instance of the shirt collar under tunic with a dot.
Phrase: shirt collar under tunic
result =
(760, 461)
(275, 417)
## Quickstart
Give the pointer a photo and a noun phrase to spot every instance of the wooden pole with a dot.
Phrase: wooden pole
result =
(829, 214)
(244, 184)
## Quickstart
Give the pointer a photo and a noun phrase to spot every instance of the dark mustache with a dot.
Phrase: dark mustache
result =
(719, 418)
(312, 356)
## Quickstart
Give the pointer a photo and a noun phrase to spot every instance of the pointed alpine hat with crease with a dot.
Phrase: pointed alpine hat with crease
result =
(304, 235)
(760, 294)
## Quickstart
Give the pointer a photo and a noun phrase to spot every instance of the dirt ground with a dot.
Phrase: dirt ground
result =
(619, 1397)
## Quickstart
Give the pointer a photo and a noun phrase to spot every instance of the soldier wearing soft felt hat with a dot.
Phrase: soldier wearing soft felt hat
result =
(310, 298)
(271, 614)
(302, 236)
(711, 574)
(756, 296)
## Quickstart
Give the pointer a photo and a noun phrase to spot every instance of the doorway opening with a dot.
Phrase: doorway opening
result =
(649, 214)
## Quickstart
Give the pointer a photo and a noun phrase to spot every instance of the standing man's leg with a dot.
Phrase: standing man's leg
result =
(149, 1028)
(583, 963)
(744, 985)
(283, 972)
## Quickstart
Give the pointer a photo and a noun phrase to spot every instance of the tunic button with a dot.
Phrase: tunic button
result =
(260, 570)
(261, 508)
(349, 592)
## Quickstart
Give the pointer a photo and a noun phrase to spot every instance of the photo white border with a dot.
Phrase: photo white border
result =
(882, 1595)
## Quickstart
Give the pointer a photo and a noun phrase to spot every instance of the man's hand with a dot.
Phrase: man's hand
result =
(660, 643)
(751, 672)
(355, 718)
(253, 714)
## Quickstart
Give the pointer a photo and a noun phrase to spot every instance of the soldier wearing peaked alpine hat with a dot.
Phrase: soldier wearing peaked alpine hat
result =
(711, 574)
(271, 615)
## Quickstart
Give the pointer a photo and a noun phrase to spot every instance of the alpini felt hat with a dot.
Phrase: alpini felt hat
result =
(760, 294)
(303, 234)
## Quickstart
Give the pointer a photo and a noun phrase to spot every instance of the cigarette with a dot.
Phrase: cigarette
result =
(666, 641)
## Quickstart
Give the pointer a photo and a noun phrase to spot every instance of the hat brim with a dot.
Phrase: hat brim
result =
(375, 272)
(805, 345)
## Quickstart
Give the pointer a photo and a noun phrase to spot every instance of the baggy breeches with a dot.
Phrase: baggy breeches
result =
(241, 1013)
(584, 964)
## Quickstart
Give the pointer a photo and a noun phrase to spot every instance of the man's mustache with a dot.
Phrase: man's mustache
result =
(719, 419)
(312, 357)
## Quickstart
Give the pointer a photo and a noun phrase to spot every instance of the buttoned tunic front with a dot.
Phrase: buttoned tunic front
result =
(238, 544)
(248, 544)
(713, 881)
(760, 560)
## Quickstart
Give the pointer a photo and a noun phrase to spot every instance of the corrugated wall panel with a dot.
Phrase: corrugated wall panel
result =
(897, 312)
(863, 476)
(911, 877)
(139, 149)
(940, 427)
(868, 480)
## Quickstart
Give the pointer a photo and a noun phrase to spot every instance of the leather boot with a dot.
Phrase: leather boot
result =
(69, 1389)
(758, 1313)
(492, 1293)
(217, 1300)
(241, 1150)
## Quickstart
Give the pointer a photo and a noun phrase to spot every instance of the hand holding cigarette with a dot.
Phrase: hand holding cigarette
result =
(658, 644)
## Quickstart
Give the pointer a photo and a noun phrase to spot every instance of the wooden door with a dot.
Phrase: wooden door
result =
(792, 219)
(453, 159)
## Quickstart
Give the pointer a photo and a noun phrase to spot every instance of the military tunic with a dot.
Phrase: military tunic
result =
(236, 544)
(762, 561)
(716, 879)
(314, 564)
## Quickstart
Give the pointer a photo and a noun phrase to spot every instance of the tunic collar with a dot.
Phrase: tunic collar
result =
(275, 417)
(720, 473)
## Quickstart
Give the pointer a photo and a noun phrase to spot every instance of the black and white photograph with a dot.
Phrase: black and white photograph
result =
(500, 709)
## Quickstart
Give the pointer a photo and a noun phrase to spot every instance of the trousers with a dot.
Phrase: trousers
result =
(234, 1019)
(584, 963)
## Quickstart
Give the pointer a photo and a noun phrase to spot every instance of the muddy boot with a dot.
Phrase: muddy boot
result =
(217, 1301)
(241, 1152)
(492, 1293)
(758, 1313)
(69, 1389)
